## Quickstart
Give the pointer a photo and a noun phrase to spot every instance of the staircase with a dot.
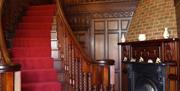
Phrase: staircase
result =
(32, 49)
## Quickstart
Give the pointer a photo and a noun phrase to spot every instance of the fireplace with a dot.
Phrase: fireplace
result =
(151, 65)
(146, 77)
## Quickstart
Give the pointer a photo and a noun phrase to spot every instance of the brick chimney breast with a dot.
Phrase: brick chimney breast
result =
(151, 17)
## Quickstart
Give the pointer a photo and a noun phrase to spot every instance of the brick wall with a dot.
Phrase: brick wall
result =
(151, 17)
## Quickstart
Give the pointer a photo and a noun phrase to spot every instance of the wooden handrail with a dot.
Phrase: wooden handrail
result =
(11, 14)
(9, 68)
(83, 73)
(61, 14)
(3, 47)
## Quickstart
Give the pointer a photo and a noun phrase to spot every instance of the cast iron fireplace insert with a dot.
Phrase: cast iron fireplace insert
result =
(146, 77)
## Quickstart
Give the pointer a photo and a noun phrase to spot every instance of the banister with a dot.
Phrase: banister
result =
(10, 78)
(81, 72)
(9, 68)
(3, 47)
(61, 15)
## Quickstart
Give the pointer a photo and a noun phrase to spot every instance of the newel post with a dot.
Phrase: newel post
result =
(104, 74)
(10, 77)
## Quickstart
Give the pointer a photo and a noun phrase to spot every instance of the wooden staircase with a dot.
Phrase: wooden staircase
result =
(81, 72)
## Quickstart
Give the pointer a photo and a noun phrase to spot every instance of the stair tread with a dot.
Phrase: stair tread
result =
(31, 51)
(39, 70)
(31, 48)
(40, 83)
(37, 19)
(34, 63)
(45, 39)
(40, 12)
(43, 6)
(41, 86)
(32, 58)
(34, 26)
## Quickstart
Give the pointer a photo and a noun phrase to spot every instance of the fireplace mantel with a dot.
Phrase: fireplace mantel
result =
(140, 52)
(149, 41)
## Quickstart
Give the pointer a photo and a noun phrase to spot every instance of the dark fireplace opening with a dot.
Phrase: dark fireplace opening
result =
(146, 77)
(145, 84)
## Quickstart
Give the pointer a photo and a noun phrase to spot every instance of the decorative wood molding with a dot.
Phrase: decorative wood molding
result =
(80, 15)
(121, 14)
(101, 7)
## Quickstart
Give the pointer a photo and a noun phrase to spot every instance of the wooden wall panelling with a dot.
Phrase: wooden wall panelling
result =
(172, 50)
(84, 39)
(106, 33)
(112, 45)
(178, 63)
(99, 46)
(79, 16)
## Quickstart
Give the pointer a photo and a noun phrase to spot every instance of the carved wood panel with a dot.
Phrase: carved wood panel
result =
(169, 52)
(146, 52)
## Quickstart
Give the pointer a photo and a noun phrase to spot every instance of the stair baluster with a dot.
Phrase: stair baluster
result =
(83, 73)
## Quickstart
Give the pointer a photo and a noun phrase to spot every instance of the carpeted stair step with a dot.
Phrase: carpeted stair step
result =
(32, 33)
(43, 7)
(32, 49)
(34, 62)
(35, 26)
(27, 42)
(31, 52)
(37, 19)
(40, 13)
(41, 86)
(43, 75)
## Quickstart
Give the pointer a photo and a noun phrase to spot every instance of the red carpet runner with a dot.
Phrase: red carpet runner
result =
(32, 49)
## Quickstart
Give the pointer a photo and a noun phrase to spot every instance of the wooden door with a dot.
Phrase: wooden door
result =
(106, 33)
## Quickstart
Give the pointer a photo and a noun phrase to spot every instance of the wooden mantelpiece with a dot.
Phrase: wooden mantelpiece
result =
(167, 50)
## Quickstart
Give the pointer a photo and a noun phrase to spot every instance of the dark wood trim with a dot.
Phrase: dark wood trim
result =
(149, 41)
(177, 2)
(104, 62)
(101, 7)
(9, 68)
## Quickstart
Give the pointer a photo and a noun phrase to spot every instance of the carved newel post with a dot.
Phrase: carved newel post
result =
(105, 75)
